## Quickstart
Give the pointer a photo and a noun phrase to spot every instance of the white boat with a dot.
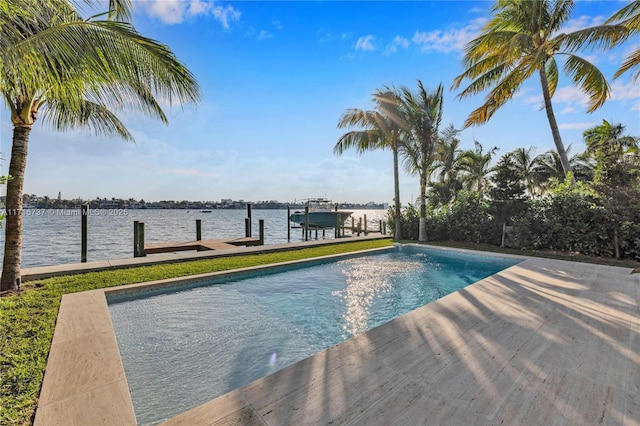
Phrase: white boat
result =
(320, 214)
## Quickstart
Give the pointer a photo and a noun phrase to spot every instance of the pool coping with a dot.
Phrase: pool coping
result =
(357, 380)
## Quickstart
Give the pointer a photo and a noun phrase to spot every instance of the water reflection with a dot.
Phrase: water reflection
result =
(368, 281)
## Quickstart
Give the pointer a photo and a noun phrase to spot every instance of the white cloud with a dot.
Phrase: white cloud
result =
(397, 42)
(226, 14)
(168, 11)
(571, 95)
(625, 91)
(452, 39)
(325, 36)
(365, 43)
(198, 7)
(176, 11)
(263, 35)
(576, 126)
(582, 22)
(277, 24)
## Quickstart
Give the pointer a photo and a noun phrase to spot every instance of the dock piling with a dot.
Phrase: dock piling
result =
(138, 239)
(248, 226)
(198, 229)
(261, 224)
(306, 223)
(288, 224)
(85, 228)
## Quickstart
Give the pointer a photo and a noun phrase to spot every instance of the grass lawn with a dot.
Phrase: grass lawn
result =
(28, 318)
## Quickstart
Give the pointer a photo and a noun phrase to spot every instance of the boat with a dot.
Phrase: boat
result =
(320, 214)
(206, 211)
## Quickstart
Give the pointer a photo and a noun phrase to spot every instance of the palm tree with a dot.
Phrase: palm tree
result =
(448, 167)
(548, 166)
(477, 164)
(525, 165)
(629, 16)
(523, 38)
(74, 73)
(609, 138)
(613, 152)
(423, 112)
(381, 128)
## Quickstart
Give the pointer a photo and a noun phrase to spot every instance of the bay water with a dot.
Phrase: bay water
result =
(52, 237)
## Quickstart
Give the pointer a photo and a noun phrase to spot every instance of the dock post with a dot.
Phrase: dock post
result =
(353, 226)
(288, 224)
(384, 227)
(138, 239)
(359, 226)
(135, 238)
(381, 231)
(261, 224)
(249, 217)
(365, 225)
(247, 227)
(338, 222)
(85, 227)
(198, 229)
(306, 223)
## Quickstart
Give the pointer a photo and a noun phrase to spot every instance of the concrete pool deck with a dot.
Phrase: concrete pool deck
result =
(542, 342)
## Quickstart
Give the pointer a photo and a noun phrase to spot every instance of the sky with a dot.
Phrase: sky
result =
(275, 78)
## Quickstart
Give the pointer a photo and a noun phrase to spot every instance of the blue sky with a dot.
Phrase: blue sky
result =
(275, 78)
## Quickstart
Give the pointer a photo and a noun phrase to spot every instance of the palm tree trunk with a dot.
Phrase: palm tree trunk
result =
(396, 183)
(566, 166)
(422, 230)
(13, 227)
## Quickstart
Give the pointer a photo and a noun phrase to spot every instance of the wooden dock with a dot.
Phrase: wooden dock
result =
(202, 245)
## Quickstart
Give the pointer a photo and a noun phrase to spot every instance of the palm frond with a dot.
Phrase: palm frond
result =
(598, 37)
(631, 62)
(91, 115)
(362, 140)
(559, 14)
(501, 94)
(629, 16)
(551, 69)
(590, 79)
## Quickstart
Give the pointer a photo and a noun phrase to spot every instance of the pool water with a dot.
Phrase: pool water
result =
(185, 347)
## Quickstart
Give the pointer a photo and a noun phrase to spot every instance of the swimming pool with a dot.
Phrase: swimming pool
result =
(189, 344)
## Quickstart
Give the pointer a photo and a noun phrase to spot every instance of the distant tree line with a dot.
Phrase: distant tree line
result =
(30, 201)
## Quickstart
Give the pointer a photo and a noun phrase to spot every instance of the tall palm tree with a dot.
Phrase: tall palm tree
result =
(381, 128)
(71, 73)
(423, 112)
(629, 16)
(523, 38)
